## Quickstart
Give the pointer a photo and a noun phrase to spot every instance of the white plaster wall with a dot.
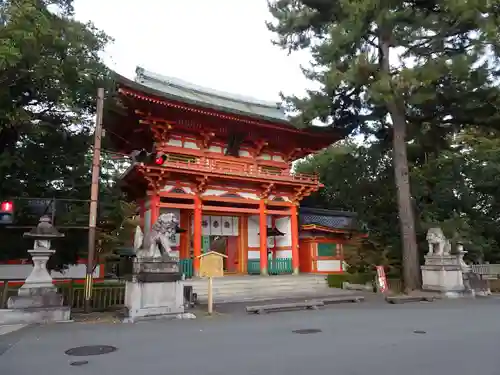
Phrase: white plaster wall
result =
(248, 195)
(215, 149)
(253, 254)
(329, 265)
(174, 142)
(253, 231)
(283, 253)
(22, 271)
(167, 188)
(217, 193)
(284, 224)
(177, 213)
(191, 145)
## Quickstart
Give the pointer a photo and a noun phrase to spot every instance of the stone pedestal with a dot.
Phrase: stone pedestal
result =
(443, 273)
(155, 289)
(37, 300)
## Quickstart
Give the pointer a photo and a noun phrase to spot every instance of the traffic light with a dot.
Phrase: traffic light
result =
(160, 158)
(6, 212)
(143, 156)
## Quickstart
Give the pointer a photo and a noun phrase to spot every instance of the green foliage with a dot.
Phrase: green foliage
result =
(336, 280)
(396, 70)
(455, 189)
(50, 69)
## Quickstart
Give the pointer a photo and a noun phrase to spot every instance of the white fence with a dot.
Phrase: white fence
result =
(22, 271)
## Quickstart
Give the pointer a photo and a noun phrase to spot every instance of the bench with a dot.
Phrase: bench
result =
(308, 305)
(342, 299)
(407, 299)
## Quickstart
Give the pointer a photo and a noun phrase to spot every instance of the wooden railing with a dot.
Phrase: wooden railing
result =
(236, 169)
(277, 266)
(105, 295)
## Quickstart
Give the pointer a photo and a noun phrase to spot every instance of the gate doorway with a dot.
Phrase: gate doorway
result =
(227, 245)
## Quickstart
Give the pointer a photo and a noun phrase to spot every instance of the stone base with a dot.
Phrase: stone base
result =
(155, 270)
(35, 315)
(153, 299)
(155, 265)
(47, 299)
(442, 274)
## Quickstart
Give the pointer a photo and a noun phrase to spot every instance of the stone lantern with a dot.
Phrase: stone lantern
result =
(40, 281)
(37, 300)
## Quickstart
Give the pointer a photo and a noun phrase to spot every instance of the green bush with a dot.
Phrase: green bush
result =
(361, 278)
(336, 280)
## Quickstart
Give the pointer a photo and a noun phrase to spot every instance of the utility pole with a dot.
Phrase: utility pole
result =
(94, 197)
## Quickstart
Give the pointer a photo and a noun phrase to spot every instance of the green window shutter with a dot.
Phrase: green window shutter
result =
(327, 249)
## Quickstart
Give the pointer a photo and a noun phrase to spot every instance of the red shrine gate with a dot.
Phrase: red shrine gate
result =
(225, 169)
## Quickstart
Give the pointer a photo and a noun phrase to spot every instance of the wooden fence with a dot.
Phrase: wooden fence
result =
(105, 295)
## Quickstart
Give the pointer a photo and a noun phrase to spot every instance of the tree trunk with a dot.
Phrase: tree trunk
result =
(411, 265)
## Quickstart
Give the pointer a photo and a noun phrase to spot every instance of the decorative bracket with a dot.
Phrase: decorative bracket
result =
(259, 146)
(160, 132)
(302, 192)
(267, 190)
(296, 153)
(201, 187)
(155, 177)
(206, 139)
(292, 154)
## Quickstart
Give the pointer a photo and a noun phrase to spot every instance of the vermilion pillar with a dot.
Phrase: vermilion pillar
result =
(295, 239)
(263, 237)
(184, 237)
(154, 206)
(197, 235)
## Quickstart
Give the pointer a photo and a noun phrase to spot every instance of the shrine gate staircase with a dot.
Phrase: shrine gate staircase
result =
(260, 288)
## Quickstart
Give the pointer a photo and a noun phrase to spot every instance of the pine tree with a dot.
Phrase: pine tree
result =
(384, 64)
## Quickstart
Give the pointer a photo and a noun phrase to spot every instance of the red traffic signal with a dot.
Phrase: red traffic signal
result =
(7, 206)
(160, 159)
(143, 156)
(6, 212)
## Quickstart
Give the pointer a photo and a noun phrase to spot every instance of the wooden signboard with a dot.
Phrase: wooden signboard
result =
(211, 265)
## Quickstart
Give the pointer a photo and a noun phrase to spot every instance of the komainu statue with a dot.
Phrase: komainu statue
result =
(156, 243)
(438, 244)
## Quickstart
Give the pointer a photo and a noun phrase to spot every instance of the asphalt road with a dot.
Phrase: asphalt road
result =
(453, 337)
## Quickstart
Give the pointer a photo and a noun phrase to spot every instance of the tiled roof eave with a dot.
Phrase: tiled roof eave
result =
(155, 96)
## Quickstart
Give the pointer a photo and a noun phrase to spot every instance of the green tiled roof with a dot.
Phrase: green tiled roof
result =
(183, 91)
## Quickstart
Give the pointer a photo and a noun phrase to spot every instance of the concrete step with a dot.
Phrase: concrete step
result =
(277, 292)
(270, 280)
(256, 288)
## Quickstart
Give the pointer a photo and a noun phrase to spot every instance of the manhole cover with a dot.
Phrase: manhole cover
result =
(420, 332)
(307, 331)
(82, 351)
(78, 363)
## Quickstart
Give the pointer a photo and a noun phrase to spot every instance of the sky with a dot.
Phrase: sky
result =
(219, 44)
